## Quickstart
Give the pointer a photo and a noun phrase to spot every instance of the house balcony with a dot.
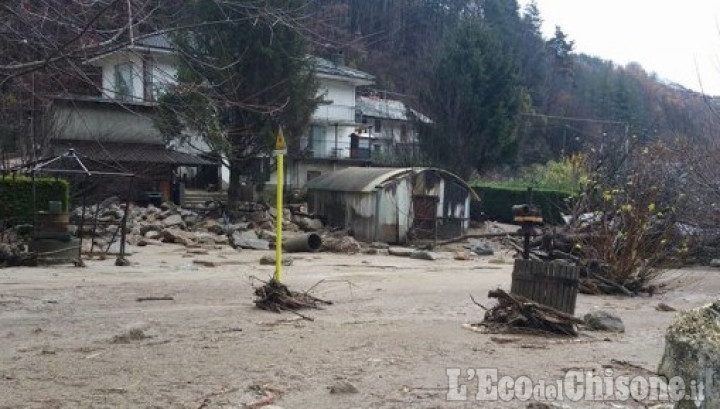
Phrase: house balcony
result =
(335, 114)
(338, 151)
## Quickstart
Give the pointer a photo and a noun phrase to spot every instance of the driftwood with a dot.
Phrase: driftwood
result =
(516, 312)
(478, 236)
(276, 297)
(155, 298)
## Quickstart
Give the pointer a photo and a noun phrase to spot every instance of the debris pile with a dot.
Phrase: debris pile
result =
(275, 296)
(252, 226)
(628, 276)
(513, 312)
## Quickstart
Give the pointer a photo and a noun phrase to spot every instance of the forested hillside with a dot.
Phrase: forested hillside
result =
(531, 97)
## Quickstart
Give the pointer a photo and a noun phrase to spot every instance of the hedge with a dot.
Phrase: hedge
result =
(16, 204)
(496, 202)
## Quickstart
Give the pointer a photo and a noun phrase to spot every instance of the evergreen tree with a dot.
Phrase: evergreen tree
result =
(241, 79)
(472, 95)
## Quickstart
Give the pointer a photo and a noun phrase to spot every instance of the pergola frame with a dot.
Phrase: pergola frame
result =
(42, 167)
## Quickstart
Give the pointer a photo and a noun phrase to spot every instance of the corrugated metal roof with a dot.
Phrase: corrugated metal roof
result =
(387, 109)
(359, 179)
(327, 67)
(355, 179)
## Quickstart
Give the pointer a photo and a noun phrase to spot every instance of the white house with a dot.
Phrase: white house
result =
(389, 126)
(328, 145)
(117, 125)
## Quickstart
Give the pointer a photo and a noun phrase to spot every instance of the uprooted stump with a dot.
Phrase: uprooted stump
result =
(517, 312)
(277, 297)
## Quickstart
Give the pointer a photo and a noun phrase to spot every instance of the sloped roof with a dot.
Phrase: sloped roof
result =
(361, 179)
(387, 109)
(327, 67)
(127, 152)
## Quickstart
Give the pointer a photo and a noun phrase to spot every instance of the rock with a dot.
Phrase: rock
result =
(205, 263)
(221, 239)
(248, 240)
(109, 214)
(480, 247)
(401, 251)
(212, 226)
(259, 216)
(715, 262)
(191, 220)
(380, 246)
(692, 352)
(149, 242)
(424, 255)
(664, 307)
(153, 234)
(230, 229)
(270, 260)
(110, 201)
(371, 252)
(309, 224)
(173, 235)
(132, 334)
(122, 262)
(343, 387)
(267, 235)
(462, 256)
(290, 227)
(344, 244)
(173, 220)
(205, 238)
(168, 206)
(144, 229)
(603, 321)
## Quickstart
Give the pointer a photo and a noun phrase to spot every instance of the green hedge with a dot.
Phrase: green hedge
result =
(497, 202)
(16, 202)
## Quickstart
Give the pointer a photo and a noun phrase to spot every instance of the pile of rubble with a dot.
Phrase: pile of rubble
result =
(252, 228)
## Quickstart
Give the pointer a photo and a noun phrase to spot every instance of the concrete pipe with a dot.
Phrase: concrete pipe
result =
(309, 242)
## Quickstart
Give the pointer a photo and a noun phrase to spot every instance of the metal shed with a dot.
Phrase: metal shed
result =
(393, 205)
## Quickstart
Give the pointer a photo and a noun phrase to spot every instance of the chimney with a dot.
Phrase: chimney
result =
(339, 58)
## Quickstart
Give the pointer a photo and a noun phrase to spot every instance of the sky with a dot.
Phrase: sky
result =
(675, 39)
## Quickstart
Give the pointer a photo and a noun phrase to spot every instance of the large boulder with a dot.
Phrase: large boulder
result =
(172, 235)
(692, 352)
(344, 244)
(248, 240)
(309, 224)
(603, 321)
(173, 220)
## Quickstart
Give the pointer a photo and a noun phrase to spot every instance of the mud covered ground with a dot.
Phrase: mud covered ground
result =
(78, 338)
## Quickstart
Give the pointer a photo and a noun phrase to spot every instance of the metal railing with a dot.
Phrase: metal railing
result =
(335, 113)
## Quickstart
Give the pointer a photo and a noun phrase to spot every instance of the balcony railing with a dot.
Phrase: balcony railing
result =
(341, 150)
(335, 113)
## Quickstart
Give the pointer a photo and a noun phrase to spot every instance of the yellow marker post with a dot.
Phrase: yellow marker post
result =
(280, 152)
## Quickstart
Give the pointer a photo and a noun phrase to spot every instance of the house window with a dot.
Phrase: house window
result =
(312, 174)
(123, 81)
(317, 141)
(403, 133)
(148, 74)
(378, 126)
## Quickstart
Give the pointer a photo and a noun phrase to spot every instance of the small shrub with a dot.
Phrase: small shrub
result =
(497, 199)
(16, 197)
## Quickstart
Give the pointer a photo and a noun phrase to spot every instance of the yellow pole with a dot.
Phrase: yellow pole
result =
(280, 152)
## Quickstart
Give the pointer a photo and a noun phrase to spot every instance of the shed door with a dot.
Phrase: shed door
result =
(425, 215)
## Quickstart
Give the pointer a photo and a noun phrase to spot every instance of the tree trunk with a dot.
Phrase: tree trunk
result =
(234, 183)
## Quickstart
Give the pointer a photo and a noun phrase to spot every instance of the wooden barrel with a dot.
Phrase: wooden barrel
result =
(551, 284)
